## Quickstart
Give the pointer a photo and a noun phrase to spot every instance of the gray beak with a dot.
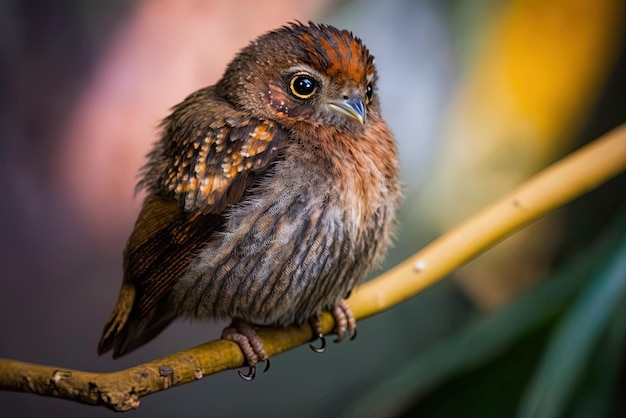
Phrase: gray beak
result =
(354, 107)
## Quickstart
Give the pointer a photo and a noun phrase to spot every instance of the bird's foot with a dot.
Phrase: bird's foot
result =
(344, 321)
(248, 340)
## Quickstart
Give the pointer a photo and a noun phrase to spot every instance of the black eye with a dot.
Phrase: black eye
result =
(369, 92)
(302, 85)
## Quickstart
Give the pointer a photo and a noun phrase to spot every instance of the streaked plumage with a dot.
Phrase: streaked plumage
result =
(270, 195)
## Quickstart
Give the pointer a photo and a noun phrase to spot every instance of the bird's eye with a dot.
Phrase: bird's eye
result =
(302, 85)
(369, 92)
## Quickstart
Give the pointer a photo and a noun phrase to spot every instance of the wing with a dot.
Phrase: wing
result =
(208, 157)
(210, 153)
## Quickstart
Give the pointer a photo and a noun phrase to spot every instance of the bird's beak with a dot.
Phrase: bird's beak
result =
(353, 107)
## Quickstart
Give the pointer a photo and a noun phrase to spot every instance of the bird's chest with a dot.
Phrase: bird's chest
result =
(294, 247)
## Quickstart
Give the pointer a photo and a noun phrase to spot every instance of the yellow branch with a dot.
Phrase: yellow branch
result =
(564, 181)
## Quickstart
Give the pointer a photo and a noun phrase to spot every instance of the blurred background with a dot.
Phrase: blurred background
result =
(481, 94)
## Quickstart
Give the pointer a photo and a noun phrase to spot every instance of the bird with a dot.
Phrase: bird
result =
(268, 196)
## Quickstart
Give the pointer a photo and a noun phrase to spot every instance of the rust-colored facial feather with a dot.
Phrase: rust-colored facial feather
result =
(258, 79)
(338, 53)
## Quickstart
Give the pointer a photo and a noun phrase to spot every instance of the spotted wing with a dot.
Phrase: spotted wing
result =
(211, 152)
(208, 157)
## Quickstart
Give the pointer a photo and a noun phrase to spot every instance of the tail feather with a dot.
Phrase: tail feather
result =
(118, 318)
(124, 332)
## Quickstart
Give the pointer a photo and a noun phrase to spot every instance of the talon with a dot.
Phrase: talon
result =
(267, 365)
(244, 335)
(251, 373)
(348, 294)
(353, 336)
(322, 348)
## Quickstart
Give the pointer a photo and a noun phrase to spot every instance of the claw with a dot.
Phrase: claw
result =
(322, 348)
(352, 337)
(251, 373)
(244, 335)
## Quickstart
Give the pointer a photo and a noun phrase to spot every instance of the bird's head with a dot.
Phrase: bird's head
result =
(314, 74)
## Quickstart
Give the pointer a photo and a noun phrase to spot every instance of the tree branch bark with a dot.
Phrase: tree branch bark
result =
(582, 171)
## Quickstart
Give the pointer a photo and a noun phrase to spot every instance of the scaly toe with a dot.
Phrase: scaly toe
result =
(246, 337)
(344, 321)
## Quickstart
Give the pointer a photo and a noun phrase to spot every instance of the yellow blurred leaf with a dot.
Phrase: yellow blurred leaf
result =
(526, 94)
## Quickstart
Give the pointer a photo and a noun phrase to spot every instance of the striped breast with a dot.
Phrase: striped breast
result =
(288, 251)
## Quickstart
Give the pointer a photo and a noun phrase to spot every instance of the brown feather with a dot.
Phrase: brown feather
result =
(208, 147)
(225, 152)
(152, 264)
(263, 205)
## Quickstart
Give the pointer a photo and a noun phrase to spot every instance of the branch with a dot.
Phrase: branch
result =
(560, 183)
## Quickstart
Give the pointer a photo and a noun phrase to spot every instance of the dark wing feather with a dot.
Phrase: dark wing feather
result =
(209, 156)
(209, 152)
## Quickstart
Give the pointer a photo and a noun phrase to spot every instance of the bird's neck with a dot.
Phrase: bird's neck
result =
(363, 164)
